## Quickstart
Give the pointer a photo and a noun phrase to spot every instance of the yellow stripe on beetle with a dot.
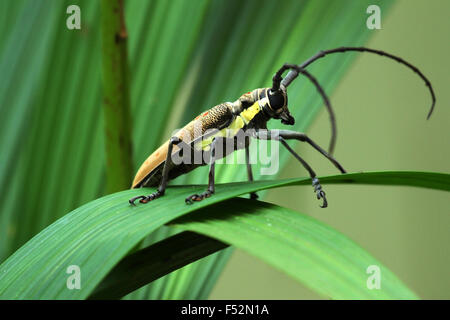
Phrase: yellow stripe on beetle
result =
(248, 114)
(229, 132)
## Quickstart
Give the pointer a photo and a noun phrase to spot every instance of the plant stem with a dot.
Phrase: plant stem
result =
(116, 101)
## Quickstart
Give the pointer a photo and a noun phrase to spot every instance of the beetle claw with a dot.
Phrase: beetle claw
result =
(319, 192)
(190, 199)
(198, 197)
(145, 199)
(132, 200)
(321, 195)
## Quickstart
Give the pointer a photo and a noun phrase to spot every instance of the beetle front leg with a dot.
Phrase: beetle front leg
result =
(211, 183)
(315, 181)
(165, 176)
(281, 135)
(288, 135)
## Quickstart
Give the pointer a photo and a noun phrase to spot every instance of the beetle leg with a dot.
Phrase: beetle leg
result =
(315, 181)
(132, 200)
(319, 192)
(253, 195)
(288, 135)
(271, 135)
(151, 196)
(198, 197)
(211, 183)
(145, 199)
(164, 178)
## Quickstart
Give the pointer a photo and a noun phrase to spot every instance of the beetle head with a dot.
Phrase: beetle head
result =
(278, 106)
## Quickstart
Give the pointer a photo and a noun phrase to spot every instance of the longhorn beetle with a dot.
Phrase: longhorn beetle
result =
(249, 113)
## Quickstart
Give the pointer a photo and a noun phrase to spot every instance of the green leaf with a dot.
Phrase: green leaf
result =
(309, 251)
(99, 234)
(153, 262)
(302, 247)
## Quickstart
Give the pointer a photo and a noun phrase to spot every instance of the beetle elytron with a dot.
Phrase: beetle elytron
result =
(251, 111)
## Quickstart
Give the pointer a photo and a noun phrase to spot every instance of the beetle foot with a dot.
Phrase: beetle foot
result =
(145, 199)
(319, 192)
(254, 196)
(198, 197)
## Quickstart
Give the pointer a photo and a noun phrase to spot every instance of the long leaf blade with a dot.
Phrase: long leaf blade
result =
(99, 234)
(304, 248)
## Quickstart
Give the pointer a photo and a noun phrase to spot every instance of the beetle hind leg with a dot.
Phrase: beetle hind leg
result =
(145, 199)
(164, 179)
(132, 200)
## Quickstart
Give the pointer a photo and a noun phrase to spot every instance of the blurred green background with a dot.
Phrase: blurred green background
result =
(186, 56)
(381, 109)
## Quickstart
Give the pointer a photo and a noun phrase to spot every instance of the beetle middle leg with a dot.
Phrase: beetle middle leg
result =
(282, 136)
(211, 183)
(165, 176)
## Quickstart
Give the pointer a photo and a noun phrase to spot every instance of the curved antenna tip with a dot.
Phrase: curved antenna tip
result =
(431, 109)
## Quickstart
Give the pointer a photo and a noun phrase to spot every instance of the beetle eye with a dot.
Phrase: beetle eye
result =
(276, 99)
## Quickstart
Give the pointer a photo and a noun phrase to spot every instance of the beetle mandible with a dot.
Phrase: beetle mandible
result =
(211, 130)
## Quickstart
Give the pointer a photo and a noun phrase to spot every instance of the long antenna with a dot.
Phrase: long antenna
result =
(297, 69)
(293, 74)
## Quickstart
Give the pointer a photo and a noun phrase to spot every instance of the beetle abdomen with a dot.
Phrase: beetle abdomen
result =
(149, 174)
